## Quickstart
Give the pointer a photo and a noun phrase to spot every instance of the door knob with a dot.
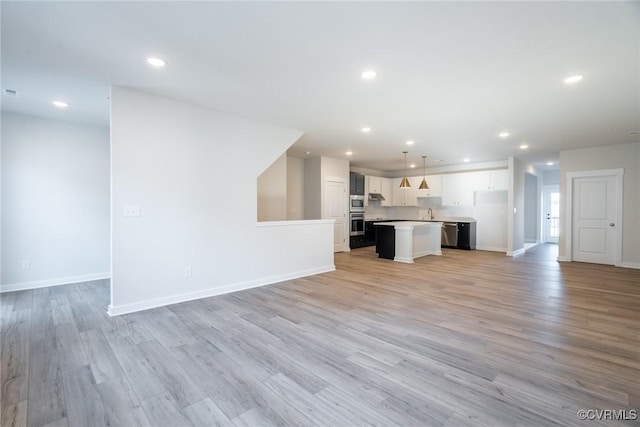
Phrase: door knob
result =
(612, 225)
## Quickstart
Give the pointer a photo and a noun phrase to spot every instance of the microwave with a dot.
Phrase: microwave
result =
(356, 203)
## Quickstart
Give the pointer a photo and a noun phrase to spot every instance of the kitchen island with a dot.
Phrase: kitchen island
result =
(403, 241)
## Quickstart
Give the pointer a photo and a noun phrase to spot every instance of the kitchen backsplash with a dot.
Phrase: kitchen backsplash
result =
(421, 211)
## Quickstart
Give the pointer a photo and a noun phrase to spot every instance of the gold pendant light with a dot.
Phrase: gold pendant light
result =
(423, 184)
(405, 181)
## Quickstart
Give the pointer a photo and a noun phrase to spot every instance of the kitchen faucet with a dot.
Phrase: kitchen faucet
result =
(430, 213)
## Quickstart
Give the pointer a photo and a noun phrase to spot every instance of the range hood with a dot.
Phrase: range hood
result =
(375, 197)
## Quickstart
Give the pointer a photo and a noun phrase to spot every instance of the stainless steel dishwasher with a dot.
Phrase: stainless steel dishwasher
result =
(449, 234)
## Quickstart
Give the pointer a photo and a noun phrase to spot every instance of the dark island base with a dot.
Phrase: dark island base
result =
(386, 242)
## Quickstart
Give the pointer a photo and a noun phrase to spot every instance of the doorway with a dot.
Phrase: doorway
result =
(551, 211)
(335, 207)
(594, 217)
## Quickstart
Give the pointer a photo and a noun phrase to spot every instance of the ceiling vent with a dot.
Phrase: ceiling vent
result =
(10, 92)
(634, 133)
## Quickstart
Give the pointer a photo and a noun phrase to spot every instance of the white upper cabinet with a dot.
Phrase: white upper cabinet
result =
(492, 180)
(499, 179)
(457, 189)
(378, 185)
(375, 184)
(405, 196)
(386, 189)
(435, 186)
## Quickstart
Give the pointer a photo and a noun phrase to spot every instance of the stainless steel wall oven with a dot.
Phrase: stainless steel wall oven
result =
(356, 219)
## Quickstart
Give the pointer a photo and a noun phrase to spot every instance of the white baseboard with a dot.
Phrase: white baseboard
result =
(630, 265)
(491, 248)
(635, 265)
(116, 310)
(12, 287)
(516, 252)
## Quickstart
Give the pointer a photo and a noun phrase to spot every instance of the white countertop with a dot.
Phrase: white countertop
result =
(433, 223)
(453, 219)
(437, 219)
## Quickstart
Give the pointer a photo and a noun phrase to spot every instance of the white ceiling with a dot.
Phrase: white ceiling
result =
(451, 75)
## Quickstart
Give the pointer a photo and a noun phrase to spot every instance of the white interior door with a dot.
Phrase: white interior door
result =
(594, 219)
(551, 209)
(335, 207)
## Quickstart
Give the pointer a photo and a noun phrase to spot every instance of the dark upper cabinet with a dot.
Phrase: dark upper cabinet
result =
(356, 184)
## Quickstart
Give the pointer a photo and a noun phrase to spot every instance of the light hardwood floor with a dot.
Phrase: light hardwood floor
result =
(466, 339)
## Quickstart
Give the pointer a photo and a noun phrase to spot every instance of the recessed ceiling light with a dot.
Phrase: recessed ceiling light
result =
(573, 79)
(503, 134)
(412, 165)
(466, 160)
(524, 146)
(366, 130)
(369, 74)
(348, 153)
(410, 142)
(157, 62)
(60, 104)
(307, 152)
(549, 163)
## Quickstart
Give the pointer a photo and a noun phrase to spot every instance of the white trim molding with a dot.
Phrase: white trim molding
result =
(570, 176)
(491, 248)
(116, 310)
(630, 265)
(12, 287)
(516, 252)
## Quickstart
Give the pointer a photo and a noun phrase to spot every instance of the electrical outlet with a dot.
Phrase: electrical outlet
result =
(131, 211)
(188, 274)
(26, 264)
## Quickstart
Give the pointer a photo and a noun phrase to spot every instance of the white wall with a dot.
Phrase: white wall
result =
(295, 188)
(272, 191)
(550, 177)
(531, 208)
(515, 230)
(335, 167)
(313, 188)
(492, 213)
(316, 169)
(175, 161)
(55, 202)
(626, 156)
